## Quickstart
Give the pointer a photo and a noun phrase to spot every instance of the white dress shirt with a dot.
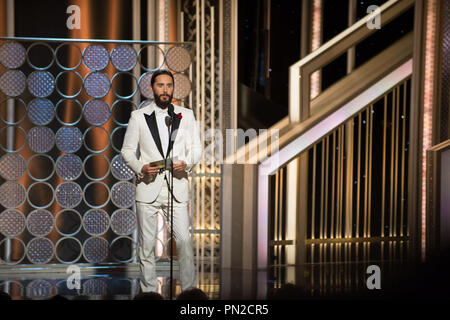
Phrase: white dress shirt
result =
(161, 115)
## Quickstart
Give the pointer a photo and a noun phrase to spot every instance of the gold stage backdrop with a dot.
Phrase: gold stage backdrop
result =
(66, 195)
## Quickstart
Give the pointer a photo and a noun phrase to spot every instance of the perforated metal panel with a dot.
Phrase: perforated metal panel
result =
(69, 166)
(12, 83)
(95, 249)
(182, 86)
(41, 139)
(144, 85)
(41, 84)
(12, 166)
(96, 112)
(12, 223)
(124, 58)
(123, 222)
(178, 58)
(69, 139)
(12, 54)
(123, 194)
(96, 57)
(119, 169)
(12, 194)
(68, 194)
(75, 109)
(96, 222)
(40, 222)
(40, 250)
(97, 84)
(41, 111)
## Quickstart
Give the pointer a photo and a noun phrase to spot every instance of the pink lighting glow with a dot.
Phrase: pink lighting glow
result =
(430, 39)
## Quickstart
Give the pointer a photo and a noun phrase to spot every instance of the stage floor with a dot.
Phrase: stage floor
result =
(325, 280)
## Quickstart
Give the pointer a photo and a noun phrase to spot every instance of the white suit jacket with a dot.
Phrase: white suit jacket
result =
(142, 132)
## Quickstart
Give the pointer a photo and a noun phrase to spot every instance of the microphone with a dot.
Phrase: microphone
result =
(171, 112)
(168, 121)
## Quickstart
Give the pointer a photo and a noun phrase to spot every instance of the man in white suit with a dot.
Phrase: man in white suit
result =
(148, 131)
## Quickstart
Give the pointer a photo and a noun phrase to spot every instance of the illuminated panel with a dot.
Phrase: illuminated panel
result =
(430, 40)
(316, 40)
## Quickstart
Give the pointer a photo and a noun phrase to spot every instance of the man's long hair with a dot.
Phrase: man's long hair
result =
(158, 73)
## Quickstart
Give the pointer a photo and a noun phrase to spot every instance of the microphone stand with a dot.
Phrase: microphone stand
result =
(171, 224)
(169, 123)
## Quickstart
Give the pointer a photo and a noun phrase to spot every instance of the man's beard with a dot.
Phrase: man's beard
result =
(163, 104)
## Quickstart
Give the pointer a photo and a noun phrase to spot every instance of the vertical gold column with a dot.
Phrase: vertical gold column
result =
(339, 184)
(327, 160)
(358, 179)
(338, 181)
(203, 117)
(396, 157)
(366, 172)
(276, 206)
(280, 213)
(322, 186)
(402, 191)
(302, 211)
(316, 42)
(212, 180)
(349, 137)
(313, 195)
(369, 178)
(391, 198)
(333, 175)
(341, 199)
(430, 100)
(292, 195)
(199, 167)
(383, 174)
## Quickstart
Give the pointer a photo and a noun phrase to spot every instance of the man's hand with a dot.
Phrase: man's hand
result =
(149, 169)
(179, 166)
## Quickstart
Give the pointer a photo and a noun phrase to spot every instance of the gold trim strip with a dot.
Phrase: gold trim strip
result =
(342, 202)
(275, 217)
(340, 175)
(358, 180)
(276, 205)
(370, 122)
(333, 233)
(338, 183)
(313, 196)
(322, 186)
(350, 136)
(383, 183)
(366, 151)
(280, 214)
(402, 195)
(327, 157)
(397, 124)
(391, 200)
(213, 124)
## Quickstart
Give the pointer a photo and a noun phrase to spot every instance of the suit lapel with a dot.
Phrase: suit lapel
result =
(152, 125)
(174, 130)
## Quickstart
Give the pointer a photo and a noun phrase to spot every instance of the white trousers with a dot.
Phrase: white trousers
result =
(147, 214)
